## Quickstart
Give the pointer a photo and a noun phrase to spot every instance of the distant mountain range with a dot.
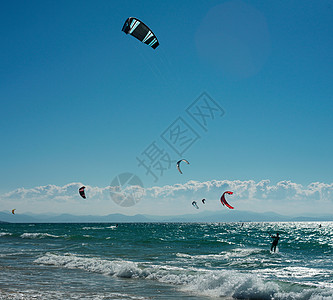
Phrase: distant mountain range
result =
(206, 216)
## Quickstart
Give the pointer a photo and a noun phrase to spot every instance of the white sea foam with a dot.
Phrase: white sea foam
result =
(4, 233)
(93, 228)
(112, 227)
(119, 268)
(295, 272)
(235, 253)
(248, 286)
(201, 256)
(60, 295)
(183, 255)
(220, 283)
(37, 235)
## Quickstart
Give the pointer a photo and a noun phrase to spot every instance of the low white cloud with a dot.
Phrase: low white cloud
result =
(283, 197)
(247, 190)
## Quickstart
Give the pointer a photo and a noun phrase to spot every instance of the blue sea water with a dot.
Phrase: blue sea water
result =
(166, 261)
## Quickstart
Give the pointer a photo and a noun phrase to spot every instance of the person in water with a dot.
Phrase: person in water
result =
(275, 241)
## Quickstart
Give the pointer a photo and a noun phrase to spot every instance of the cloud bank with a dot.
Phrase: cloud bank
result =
(283, 197)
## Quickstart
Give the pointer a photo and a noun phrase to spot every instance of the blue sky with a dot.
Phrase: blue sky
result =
(80, 100)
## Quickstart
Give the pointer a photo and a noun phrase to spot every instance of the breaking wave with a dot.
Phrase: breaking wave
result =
(38, 235)
(217, 283)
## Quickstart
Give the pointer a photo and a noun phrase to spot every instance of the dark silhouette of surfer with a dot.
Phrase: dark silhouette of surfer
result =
(275, 241)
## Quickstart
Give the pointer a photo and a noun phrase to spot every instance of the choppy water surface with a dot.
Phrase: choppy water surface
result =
(166, 261)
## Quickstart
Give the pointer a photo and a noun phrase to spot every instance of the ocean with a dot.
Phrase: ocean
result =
(166, 261)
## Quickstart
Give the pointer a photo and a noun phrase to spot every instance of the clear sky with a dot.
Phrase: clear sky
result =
(82, 102)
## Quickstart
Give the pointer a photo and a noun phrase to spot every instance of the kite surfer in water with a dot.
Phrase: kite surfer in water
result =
(275, 241)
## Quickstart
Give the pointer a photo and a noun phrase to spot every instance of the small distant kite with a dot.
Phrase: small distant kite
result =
(141, 31)
(203, 201)
(13, 211)
(178, 163)
(224, 202)
(194, 203)
(81, 192)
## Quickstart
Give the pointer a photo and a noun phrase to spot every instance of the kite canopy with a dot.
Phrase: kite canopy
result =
(141, 31)
(81, 192)
(194, 203)
(178, 163)
(13, 211)
(224, 202)
(203, 201)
